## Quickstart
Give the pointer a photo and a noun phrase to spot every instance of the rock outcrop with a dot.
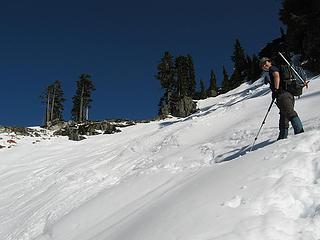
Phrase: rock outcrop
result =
(78, 131)
(183, 107)
(22, 131)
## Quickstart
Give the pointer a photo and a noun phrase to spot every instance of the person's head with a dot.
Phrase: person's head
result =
(265, 63)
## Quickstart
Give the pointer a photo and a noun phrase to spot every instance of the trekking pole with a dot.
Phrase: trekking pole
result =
(294, 70)
(263, 122)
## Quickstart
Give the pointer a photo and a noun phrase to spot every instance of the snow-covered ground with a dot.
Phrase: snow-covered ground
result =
(191, 178)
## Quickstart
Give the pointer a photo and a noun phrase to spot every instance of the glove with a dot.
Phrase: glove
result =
(275, 93)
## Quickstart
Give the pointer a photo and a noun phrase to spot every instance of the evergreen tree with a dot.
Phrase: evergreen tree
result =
(164, 107)
(240, 65)
(192, 77)
(254, 69)
(225, 85)
(183, 76)
(57, 102)
(166, 72)
(212, 90)
(302, 19)
(178, 80)
(46, 97)
(203, 94)
(166, 76)
(82, 100)
(186, 83)
(248, 70)
(273, 48)
(53, 99)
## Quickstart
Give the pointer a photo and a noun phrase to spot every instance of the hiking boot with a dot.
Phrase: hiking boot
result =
(297, 125)
(283, 134)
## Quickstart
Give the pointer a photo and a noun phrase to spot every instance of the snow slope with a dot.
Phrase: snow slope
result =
(189, 178)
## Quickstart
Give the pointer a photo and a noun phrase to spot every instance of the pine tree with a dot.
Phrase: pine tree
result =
(166, 72)
(302, 19)
(212, 90)
(254, 70)
(82, 100)
(192, 77)
(183, 76)
(240, 65)
(46, 100)
(186, 83)
(225, 85)
(53, 99)
(294, 15)
(57, 102)
(178, 81)
(166, 76)
(203, 93)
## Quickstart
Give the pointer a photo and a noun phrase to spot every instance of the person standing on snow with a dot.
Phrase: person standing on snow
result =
(284, 100)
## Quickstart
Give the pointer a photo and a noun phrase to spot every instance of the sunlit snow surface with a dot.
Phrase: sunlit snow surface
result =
(183, 178)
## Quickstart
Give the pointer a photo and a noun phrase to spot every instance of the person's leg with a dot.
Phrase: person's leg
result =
(286, 106)
(283, 127)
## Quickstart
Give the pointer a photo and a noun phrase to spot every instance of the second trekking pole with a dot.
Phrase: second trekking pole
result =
(263, 122)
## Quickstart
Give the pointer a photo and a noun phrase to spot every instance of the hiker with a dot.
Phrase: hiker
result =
(284, 100)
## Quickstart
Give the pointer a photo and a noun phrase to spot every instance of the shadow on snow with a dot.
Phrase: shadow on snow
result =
(242, 151)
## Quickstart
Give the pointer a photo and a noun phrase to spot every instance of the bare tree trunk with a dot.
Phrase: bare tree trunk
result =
(52, 104)
(48, 108)
(87, 113)
(81, 105)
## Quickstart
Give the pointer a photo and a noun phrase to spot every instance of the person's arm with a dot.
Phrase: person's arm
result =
(276, 77)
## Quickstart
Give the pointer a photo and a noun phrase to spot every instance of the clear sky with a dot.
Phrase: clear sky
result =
(120, 44)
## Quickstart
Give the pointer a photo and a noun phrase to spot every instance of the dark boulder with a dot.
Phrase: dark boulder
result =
(183, 107)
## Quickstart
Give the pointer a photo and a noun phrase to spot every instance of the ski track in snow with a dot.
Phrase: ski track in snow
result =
(50, 189)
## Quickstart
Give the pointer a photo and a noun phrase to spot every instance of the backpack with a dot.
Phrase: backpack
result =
(290, 81)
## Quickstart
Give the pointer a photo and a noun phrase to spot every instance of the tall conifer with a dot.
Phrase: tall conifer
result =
(57, 101)
(82, 100)
(53, 99)
(192, 77)
(183, 76)
(203, 93)
(302, 19)
(240, 65)
(166, 72)
(212, 90)
(225, 85)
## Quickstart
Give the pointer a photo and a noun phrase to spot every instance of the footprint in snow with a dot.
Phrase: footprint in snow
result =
(235, 202)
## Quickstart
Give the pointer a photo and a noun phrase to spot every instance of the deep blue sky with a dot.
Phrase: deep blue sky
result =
(120, 44)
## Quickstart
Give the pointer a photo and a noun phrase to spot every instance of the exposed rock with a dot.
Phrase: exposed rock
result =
(60, 125)
(73, 134)
(124, 122)
(77, 131)
(183, 107)
(96, 128)
(22, 131)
